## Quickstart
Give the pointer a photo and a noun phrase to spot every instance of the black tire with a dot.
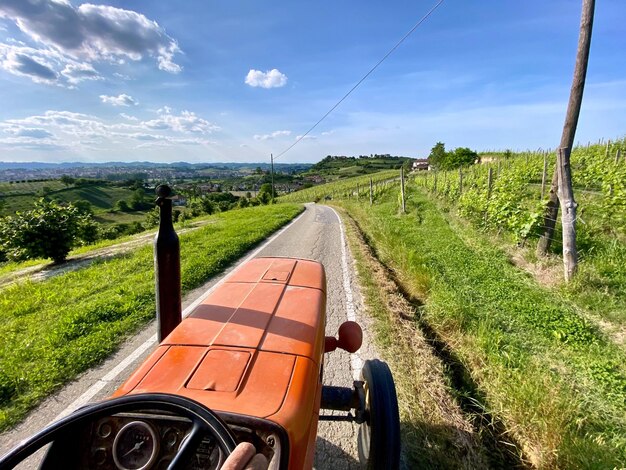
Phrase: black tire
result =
(379, 435)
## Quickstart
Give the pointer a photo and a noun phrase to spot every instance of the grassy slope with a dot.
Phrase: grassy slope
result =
(556, 383)
(102, 198)
(50, 331)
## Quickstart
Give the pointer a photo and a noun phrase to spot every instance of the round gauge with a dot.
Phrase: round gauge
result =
(136, 446)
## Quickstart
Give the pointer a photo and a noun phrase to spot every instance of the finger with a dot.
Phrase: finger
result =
(239, 457)
(258, 462)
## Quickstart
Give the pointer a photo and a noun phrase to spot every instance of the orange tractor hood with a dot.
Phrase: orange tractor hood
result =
(253, 346)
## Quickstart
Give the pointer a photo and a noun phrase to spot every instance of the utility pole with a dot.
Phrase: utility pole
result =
(272, 160)
(571, 121)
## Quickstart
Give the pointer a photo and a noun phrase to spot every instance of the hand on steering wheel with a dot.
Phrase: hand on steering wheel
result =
(244, 457)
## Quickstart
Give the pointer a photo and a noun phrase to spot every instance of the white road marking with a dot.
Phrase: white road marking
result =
(356, 363)
(133, 356)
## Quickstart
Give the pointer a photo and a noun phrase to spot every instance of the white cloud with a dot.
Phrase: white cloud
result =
(28, 62)
(306, 137)
(271, 79)
(271, 136)
(82, 131)
(186, 122)
(120, 100)
(29, 132)
(77, 36)
(78, 72)
(128, 117)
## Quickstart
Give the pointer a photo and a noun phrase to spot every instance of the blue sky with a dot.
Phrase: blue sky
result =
(208, 81)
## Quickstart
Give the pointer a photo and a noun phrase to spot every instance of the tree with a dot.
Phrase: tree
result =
(265, 193)
(461, 156)
(67, 180)
(84, 207)
(122, 206)
(457, 158)
(438, 155)
(47, 231)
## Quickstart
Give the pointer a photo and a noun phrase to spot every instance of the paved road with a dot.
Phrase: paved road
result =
(317, 234)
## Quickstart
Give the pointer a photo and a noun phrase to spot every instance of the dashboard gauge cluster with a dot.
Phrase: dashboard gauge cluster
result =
(143, 441)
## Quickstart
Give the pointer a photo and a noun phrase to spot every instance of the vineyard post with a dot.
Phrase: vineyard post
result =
(608, 147)
(544, 175)
(402, 189)
(371, 190)
(499, 168)
(435, 182)
(568, 214)
(489, 183)
(571, 120)
(527, 155)
(618, 153)
(460, 181)
(357, 192)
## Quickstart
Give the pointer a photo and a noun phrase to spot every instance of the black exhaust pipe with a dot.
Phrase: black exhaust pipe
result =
(166, 267)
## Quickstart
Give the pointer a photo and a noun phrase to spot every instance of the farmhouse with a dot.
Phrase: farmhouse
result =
(420, 164)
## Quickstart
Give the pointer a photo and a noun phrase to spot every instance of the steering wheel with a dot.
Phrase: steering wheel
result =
(203, 420)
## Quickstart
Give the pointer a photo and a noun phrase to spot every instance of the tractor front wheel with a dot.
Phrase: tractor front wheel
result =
(379, 435)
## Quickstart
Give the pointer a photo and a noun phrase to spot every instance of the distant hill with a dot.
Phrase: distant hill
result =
(339, 166)
(290, 167)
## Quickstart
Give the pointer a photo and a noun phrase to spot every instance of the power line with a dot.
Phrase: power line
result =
(299, 139)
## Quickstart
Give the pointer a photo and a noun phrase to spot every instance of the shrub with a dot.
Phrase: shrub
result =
(49, 230)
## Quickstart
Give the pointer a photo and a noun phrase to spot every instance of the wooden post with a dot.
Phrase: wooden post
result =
(357, 192)
(544, 175)
(402, 189)
(371, 192)
(273, 190)
(489, 183)
(618, 153)
(499, 169)
(568, 214)
(608, 147)
(571, 119)
(435, 182)
(460, 181)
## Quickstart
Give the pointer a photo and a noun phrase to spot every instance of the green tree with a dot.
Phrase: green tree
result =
(122, 206)
(67, 180)
(461, 156)
(265, 193)
(438, 155)
(137, 201)
(47, 231)
(84, 207)
(152, 218)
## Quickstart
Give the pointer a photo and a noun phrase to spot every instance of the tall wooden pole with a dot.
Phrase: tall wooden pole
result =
(272, 160)
(371, 192)
(571, 119)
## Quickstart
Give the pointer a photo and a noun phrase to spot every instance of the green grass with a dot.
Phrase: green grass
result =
(52, 330)
(557, 384)
(31, 187)
(102, 197)
(10, 266)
